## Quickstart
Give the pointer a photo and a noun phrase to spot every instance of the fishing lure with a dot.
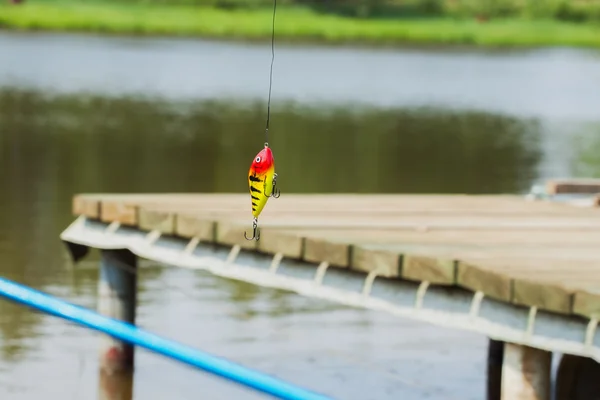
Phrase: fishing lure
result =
(262, 181)
(261, 176)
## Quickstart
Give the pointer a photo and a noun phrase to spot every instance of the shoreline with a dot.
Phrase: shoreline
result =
(305, 42)
(294, 27)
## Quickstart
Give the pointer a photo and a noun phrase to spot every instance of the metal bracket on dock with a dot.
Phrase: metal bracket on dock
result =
(235, 250)
(320, 274)
(590, 332)
(420, 294)
(275, 263)
(476, 304)
(80, 221)
(369, 282)
(191, 246)
(112, 228)
(152, 237)
(531, 322)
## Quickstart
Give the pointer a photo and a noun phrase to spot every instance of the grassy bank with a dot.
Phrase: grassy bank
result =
(293, 24)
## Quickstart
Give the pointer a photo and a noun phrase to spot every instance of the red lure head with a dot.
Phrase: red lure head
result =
(263, 161)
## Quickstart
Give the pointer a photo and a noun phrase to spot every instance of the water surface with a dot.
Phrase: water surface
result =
(548, 83)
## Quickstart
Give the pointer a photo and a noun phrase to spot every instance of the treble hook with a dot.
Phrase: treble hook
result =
(275, 192)
(255, 231)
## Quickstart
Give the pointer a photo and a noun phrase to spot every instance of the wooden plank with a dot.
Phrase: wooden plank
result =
(543, 295)
(233, 234)
(86, 206)
(398, 262)
(298, 209)
(288, 244)
(572, 186)
(441, 271)
(162, 221)
(372, 205)
(493, 284)
(540, 293)
(435, 270)
(519, 253)
(388, 263)
(421, 222)
(388, 224)
(574, 273)
(437, 203)
(319, 250)
(541, 283)
(221, 206)
(125, 213)
(461, 237)
(586, 303)
(190, 226)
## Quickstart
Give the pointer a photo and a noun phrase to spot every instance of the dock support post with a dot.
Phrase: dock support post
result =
(495, 359)
(526, 373)
(117, 289)
(577, 378)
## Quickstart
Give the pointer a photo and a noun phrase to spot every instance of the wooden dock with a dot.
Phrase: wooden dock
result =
(528, 253)
(535, 257)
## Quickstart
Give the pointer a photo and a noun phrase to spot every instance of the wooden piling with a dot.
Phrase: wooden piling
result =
(577, 378)
(495, 359)
(117, 289)
(525, 373)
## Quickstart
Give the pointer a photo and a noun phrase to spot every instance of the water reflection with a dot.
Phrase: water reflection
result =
(18, 329)
(250, 301)
(116, 386)
(87, 143)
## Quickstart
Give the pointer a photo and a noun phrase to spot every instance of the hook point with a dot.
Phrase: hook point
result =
(255, 231)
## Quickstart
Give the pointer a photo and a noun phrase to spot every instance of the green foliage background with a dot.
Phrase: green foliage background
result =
(564, 10)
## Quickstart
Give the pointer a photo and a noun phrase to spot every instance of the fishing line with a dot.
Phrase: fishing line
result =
(262, 179)
(271, 73)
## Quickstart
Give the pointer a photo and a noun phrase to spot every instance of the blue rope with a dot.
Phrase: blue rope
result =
(132, 334)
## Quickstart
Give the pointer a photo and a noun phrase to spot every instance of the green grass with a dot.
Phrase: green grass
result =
(293, 24)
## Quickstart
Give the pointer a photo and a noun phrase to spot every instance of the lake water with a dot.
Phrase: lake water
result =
(91, 114)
